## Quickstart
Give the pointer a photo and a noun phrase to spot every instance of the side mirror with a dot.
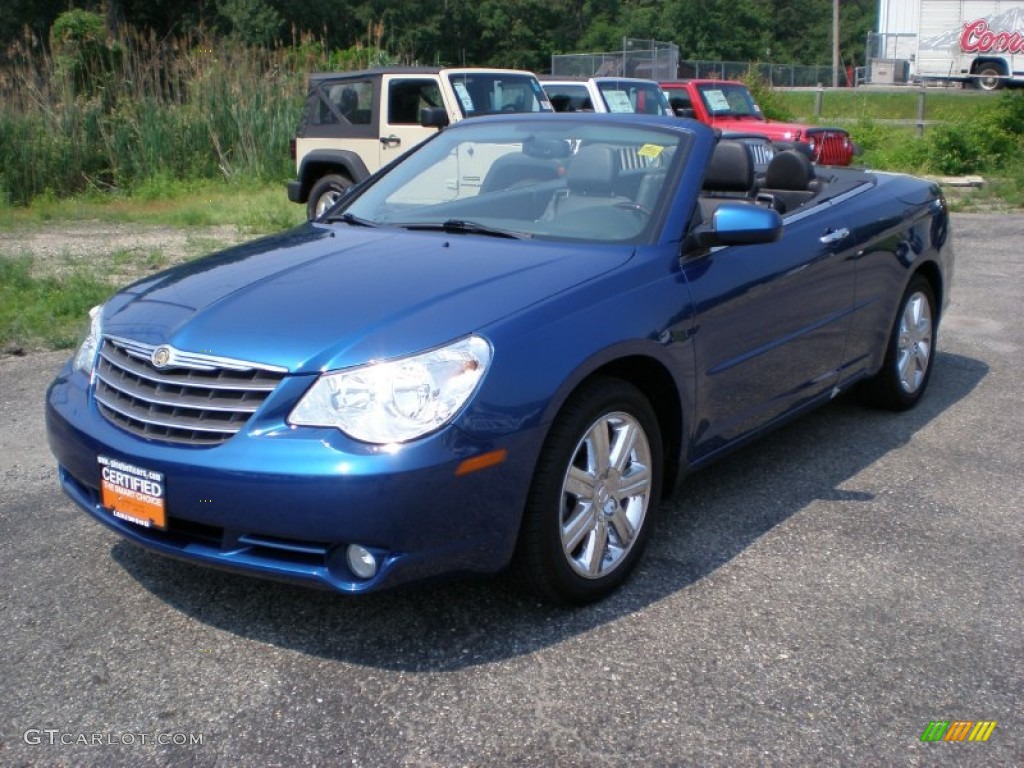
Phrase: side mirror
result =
(434, 117)
(685, 112)
(738, 224)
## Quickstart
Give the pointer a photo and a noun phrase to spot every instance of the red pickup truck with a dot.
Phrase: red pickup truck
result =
(729, 105)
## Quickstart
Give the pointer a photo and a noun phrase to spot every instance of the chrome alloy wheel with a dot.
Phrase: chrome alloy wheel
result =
(605, 495)
(327, 200)
(913, 351)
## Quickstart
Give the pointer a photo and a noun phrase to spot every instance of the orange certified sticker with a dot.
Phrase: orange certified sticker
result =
(133, 493)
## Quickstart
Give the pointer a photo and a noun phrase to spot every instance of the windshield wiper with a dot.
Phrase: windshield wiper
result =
(352, 220)
(457, 226)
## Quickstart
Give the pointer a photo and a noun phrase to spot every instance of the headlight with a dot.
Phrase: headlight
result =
(85, 358)
(397, 400)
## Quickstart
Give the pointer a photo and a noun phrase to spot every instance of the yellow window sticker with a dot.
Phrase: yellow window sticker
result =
(650, 150)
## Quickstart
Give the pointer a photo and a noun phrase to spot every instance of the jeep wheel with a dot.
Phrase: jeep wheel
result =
(325, 193)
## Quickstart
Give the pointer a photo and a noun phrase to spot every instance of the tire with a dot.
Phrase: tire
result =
(910, 352)
(987, 78)
(325, 193)
(589, 514)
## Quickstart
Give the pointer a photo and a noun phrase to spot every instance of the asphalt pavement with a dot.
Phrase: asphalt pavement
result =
(818, 598)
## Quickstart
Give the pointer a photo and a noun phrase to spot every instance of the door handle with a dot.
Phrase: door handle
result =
(834, 236)
(390, 141)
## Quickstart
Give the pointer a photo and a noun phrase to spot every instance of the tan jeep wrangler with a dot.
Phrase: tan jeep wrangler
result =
(357, 122)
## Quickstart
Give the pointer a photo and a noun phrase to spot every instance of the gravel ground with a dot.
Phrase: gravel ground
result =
(119, 253)
(124, 251)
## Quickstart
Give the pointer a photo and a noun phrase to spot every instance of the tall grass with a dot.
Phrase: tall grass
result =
(147, 115)
(187, 109)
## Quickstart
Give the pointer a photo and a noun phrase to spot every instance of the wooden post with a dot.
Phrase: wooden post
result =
(920, 112)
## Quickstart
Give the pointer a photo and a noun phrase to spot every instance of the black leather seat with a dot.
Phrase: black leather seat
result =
(590, 180)
(729, 176)
(515, 169)
(731, 170)
(789, 181)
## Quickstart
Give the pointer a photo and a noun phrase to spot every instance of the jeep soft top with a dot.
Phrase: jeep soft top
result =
(356, 122)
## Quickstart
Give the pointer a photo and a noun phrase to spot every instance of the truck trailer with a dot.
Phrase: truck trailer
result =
(974, 42)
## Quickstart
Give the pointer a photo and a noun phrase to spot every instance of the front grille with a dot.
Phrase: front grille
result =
(630, 159)
(831, 146)
(762, 152)
(195, 399)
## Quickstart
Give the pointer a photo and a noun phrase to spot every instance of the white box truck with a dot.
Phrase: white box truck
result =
(969, 41)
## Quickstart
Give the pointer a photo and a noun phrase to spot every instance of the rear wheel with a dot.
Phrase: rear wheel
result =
(987, 78)
(589, 511)
(325, 193)
(910, 352)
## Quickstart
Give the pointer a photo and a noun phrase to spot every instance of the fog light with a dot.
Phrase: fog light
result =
(361, 561)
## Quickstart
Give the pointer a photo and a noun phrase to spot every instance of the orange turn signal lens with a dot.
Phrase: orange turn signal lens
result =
(483, 461)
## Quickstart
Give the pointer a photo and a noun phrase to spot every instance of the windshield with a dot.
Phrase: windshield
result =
(488, 93)
(573, 178)
(569, 97)
(726, 100)
(633, 96)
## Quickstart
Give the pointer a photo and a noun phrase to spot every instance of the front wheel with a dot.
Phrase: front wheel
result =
(325, 193)
(588, 515)
(909, 354)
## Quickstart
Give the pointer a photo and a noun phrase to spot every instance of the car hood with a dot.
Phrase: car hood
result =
(773, 129)
(319, 298)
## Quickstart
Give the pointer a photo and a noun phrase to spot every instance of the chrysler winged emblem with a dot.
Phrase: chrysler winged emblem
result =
(161, 356)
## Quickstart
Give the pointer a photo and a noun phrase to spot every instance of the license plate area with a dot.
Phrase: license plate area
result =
(133, 493)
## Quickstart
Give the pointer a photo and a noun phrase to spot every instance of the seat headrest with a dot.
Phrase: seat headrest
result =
(593, 170)
(731, 168)
(790, 169)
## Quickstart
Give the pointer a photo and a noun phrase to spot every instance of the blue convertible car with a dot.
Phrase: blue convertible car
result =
(499, 352)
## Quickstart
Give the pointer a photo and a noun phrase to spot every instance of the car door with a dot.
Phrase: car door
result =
(770, 325)
(404, 97)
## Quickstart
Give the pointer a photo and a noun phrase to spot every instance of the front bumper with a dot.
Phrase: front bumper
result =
(284, 502)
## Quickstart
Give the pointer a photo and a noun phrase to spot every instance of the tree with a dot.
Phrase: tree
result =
(493, 32)
(81, 54)
(728, 30)
(251, 21)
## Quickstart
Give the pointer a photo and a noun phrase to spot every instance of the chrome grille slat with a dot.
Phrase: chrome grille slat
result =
(830, 145)
(631, 160)
(761, 153)
(194, 401)
(155, 397)
(150, 416)
(176, 395)
(140, 366)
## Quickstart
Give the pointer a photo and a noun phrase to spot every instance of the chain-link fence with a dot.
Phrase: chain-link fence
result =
(781, 75)
(638, 58)
(660, 61)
